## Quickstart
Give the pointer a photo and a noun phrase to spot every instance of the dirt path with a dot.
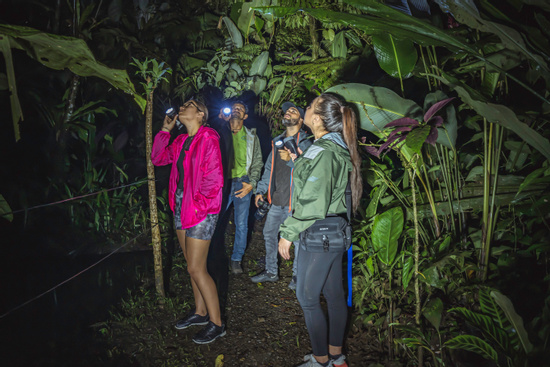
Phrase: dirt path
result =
(265, 325)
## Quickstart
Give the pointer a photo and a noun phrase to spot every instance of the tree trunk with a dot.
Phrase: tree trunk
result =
(155, 230)
(314, 38)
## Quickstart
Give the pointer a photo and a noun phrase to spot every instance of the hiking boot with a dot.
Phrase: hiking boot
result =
(210, 333)
(236, 267)
(340, 361)
(292, 284)
(192, 319)
(310, 361)
(264, 276)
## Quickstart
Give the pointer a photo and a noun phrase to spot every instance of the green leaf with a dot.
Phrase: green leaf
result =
(386, 229)
(234, 33)
(377, 106)
(338, 47)
(473, 344)
(259, 65)
(5, 210)
(16, 112)
(531, 178)
(433, 312)
(519, 153)
(278, 92)
(396, 57)
(516, 320)
(61, 52)
(247, 19)
(408, 272)
(486, 325)
(501, 115)
(416, 138)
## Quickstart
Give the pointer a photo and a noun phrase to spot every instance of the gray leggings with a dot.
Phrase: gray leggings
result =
(322, 272)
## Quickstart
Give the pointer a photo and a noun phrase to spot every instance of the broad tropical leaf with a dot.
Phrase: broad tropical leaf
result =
(259, 65)
(433, 312)
(278, 92)
(234, 33)
(377, 106)
(490, 328)
(386, 229)
(60, 52)
(396, 57)
(339, 47)
(501, 115)
(515, 320)
(473, 344)
(408, 271)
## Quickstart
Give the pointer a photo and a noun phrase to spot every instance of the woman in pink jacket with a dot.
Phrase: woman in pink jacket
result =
(195, 196)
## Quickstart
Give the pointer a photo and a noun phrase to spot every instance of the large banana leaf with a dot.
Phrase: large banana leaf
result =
(60, 52)
(377, 106)
(499, 114)
(396, 57)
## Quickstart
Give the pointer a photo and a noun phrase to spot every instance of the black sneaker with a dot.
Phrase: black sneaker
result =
(264, 276)
(210, 333)
(192, 319)
(236, 267)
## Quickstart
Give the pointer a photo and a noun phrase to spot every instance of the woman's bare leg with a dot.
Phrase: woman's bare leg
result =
(200, 305)
(197, 253)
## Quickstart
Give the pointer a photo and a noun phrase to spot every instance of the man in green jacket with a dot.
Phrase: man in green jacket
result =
(244, 172)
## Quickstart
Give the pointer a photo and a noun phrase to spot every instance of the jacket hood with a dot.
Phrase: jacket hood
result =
(336, 138)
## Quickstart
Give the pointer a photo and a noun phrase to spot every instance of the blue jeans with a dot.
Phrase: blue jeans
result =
(275, 217)
(242, 207)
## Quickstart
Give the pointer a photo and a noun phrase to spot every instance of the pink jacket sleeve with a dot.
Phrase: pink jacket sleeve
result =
(212, 179)
(162, 154)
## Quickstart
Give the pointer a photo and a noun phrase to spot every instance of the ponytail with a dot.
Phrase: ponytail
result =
(337, 117)
(349, 133)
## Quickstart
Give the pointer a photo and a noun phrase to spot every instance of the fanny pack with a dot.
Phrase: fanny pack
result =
(331, 234)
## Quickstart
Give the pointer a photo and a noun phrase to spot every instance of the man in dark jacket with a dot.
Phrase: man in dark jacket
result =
(276, 184)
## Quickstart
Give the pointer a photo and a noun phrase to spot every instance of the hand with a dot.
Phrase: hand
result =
(168, 124)
(257, 199)
(244, 191)
(284, 154)
(224, 116)
(284, 247)
(294, 156)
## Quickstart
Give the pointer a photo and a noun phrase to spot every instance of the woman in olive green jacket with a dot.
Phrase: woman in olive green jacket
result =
(321, 175)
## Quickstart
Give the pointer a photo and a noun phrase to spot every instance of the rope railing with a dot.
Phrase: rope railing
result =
(77, 274)
(73, 198)
(89, 267)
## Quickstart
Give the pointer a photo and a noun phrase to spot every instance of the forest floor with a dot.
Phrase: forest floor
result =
(264, 322)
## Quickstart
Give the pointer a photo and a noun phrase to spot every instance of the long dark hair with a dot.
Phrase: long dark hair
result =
(337, 117)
